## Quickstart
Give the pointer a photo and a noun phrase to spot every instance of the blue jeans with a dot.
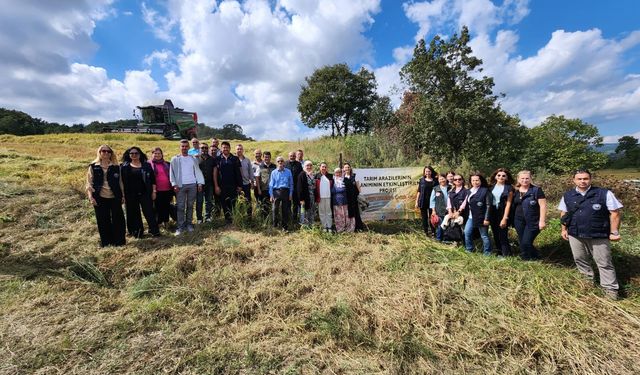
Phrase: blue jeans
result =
(439, 230)
(526, 236)
(484, 234)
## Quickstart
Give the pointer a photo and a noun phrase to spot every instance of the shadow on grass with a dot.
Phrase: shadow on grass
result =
(31, 268)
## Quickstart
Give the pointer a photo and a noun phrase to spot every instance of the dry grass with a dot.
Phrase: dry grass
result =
(260, 301)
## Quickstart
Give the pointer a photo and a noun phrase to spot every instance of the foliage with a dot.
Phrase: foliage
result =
(20, 123)
(334, 97)
(453, 115)
(627, 153)
(563, 145)
(227, 132)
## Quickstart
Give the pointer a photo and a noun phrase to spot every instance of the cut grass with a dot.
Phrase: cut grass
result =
(250, 299)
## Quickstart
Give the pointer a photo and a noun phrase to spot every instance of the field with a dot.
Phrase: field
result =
(247, 299)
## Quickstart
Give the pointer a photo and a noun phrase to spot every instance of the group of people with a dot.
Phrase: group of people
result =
(590, 216)
(211, 178)
(291, 191)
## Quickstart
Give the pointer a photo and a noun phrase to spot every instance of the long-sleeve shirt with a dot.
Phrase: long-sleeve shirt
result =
(281, 179)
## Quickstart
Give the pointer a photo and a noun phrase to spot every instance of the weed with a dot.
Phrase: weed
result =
(86, 270)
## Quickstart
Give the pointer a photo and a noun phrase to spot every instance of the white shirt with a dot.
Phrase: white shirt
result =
(325, 187)
(187, 170)
(612, 202)
(497, 192)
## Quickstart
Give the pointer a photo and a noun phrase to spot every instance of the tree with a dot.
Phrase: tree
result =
(627, 152)
(456, 115)
(563, 145)
(334, 97)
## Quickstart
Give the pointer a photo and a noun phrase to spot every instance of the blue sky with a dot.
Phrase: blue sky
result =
(243, 62)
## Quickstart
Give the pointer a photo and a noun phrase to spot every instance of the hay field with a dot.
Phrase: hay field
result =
(251, 300)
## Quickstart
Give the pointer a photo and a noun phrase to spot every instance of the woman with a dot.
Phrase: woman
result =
(353, 192)
(530, 210)
(479, 203)
(307, 194)
(438, 204)
(164, 192)
(502, 198)
(450, 177)
(457, 205)
(425, 186)
(104, 190)
(343, 212)
(139, 183)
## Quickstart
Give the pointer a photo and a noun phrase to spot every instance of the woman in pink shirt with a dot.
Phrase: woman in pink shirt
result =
(164, 193)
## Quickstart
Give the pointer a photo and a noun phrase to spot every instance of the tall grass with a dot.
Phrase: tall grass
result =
(249, 299)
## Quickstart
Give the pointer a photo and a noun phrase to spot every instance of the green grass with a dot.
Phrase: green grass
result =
(249, 299)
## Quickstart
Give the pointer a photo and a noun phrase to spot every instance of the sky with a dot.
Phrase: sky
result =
(243, 62)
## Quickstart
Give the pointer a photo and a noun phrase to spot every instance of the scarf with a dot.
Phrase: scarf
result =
(165, 165)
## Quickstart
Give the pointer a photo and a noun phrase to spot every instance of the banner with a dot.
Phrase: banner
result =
(390, 192)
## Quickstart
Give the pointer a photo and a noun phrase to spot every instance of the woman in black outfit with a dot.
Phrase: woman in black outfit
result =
(139, 183)
(104, 190)
(353, 191)
(425, 186)
(502, 193)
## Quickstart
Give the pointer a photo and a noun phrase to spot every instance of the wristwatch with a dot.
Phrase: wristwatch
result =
(615, 233)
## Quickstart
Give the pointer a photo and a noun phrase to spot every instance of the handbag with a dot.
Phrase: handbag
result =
(453, 233)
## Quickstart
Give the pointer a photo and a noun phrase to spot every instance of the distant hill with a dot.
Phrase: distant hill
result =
(607, 148)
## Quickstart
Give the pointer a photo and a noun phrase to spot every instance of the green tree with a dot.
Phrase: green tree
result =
(563, 145)
(456, 115)
(627, 152)
(334, 97)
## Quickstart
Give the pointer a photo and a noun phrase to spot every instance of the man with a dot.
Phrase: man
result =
(300, 156)
(207, 163)
(296, 168)
(215, 147)
(324, 182)
(262, 171)
(195, 150)
(186, 179)
(246, 170)
(590, 219)
(227, 180)
(281, 193)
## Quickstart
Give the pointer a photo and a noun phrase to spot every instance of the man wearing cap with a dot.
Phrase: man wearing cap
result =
(590, 219)
(281, 193)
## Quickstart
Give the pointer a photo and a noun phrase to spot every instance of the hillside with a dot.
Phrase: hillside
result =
(251, 300)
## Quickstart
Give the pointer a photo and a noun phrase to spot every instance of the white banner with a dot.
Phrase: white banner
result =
(390, 192)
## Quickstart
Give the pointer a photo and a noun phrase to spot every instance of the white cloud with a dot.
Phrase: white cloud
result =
(614, 138)
(165, 58)
(162, 26)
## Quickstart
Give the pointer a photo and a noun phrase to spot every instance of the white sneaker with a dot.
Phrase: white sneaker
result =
(199, 222)
(178, 232)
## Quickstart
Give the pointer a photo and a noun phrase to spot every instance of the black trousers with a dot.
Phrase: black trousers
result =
(500, 235)
(281, 208)
(228, 197)
(425, 214)
(110, 219)
(162, 205)
(133, 204)
(246, 191)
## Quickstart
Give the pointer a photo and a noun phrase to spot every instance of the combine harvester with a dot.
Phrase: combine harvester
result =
(167, 120)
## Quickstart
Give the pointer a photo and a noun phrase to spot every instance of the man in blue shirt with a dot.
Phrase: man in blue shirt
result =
(195, 150)
(281, 193)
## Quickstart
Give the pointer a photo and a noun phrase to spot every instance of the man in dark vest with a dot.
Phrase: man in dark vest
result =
(590, 219)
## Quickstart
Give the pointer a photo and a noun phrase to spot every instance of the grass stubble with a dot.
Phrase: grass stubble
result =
(246, 299)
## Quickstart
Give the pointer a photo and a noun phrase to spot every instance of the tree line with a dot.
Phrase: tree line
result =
(20, 123)
(451, 114)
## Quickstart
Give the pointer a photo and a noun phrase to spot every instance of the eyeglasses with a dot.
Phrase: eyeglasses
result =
(106, 151)
(204, 148)
(457, 179)
(501, 175)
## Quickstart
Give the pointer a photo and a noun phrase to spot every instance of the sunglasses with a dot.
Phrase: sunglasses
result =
(106, 151)
(501, 175)
(457, 179)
